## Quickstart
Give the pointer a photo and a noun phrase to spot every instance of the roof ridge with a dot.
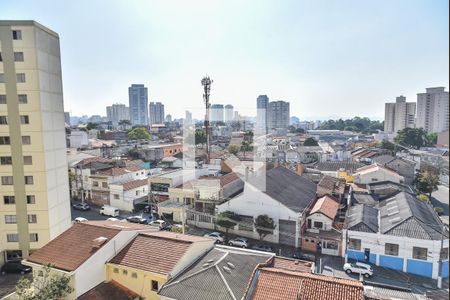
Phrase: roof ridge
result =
(225, 282)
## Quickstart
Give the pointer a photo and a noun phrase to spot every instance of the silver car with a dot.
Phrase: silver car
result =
(239, 242)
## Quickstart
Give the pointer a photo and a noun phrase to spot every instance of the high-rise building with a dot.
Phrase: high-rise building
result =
(116, 113)
(169, 118)
(278, 114)
(67, 118)
(399, 115)
(216, 112)
(138, 102)
(156, 110)
(34, 187)
(188, 118)
(229, 113)
(262, 105)
(433, 110)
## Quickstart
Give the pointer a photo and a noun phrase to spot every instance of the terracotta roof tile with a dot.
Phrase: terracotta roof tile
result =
(327, 206)
(73, 247)
(114, 172)
(109, 291)
(134, 184)
(134, 168)
(294, 265)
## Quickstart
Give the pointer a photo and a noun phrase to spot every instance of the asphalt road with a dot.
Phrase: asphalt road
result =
(440, 198)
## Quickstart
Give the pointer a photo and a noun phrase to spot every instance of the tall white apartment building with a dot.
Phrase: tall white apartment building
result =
(433, 110)
(116, 113)
(399, 115)
(34, 189)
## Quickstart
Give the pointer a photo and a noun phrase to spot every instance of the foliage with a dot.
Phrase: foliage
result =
(236, 125)
(439, 210)
(388, 146)
(227, 220)
(412, 137)
(91, 125)
(310, 142)
(246, 146)
(200, 136)
(233, 149)
(177, 229)
(134, 153)
(357, 124)
(427, 183)
(44, 287)
(124, 122)
(432, 139)
(139, 133)
(423, 198)
(264, 226)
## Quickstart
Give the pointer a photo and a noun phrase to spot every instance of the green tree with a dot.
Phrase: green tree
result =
(44, 287)
(432, 139)
(423, 198)
(439, 210)
(227, 220)
(427, 183)
(264, 226)
(234, 149)
(139, 133)
(91, 125)
(310, 142)
(388, 146)
(412, 137)
(200, 136)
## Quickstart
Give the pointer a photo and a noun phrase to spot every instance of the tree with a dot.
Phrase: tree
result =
(91, 125)
(423, 198)
(233, 149)
(427, 183)
(357, 124)
(388, 146)
(264, 226)
(439, 210)
(432, 139)
(227, 220)
(310, 142)
(124, 122)
(200, 136)
(412, 137)
(139, 133)
(44, 287)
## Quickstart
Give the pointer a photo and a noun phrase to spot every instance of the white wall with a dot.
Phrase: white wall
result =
(318, 217)
(379, 175)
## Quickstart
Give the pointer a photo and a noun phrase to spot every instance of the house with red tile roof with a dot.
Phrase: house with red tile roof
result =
(126, 195)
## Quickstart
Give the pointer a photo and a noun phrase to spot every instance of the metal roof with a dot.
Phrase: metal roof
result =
(362, 217)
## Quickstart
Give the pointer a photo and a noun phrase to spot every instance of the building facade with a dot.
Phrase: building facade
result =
(229, 113)
(216, 112)
(116, 113)
(262, 104)
(433, 110)
(399, 115)
(35, 204)
(278, 114)
(156, 113)
(138, 102)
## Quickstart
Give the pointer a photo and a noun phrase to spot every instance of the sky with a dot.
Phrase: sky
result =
(328, 58)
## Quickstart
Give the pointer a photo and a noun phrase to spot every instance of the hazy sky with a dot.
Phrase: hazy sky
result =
(336, 58)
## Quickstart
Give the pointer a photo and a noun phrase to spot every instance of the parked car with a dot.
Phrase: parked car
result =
(216, 236)
(107, 210)
(15, 267)
(359, 268)
(163, 225)
(137, 219)
(153, 209)
(81, 206)
(79, 220)
(239, 242)
(263, 247)
(13, 256)
(304, 256)
(112, 219)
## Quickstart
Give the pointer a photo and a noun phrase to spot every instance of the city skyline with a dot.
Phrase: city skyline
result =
(332, 64)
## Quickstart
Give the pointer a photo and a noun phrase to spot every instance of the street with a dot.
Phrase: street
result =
(440, 198)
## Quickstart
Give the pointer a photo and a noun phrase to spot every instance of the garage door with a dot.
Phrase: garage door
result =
(287, 232)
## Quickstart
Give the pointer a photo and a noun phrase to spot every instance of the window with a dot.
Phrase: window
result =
(5, 160)
(9, 200)
(444, 254)
(10, 219)
(133, 275)
(20, 77)
(1, 59)
(18, 56)
(420, 253)
(95, 183)
(7, 180)
(374, 179)
(318, 224)
(137, 193)
(391, 249)
(116, 196)
(31, 199)
(124, 272)
(32, 219)
(2, 99)
(24, 120)
(155, 285)
(33, 237)
(17, 34)
(104, 185)
(12, 237)
(3, 120)
(2, 78)
(115, 270)
(354, 244)
(27, 160)
(26, 140)
(5, 140)
(23, 99)
(29, 180)
(331, 245)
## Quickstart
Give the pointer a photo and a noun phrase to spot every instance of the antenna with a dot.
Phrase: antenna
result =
(206, 83)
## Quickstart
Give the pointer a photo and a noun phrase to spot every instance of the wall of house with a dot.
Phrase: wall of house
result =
(375, 176)
(318, 217)
(195, 251)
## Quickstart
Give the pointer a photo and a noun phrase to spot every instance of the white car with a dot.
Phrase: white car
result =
(358, 268)
(160, 223)
(239, 242)
(79, 220)
(216, 236)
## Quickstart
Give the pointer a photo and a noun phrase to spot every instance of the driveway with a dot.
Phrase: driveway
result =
(8, 283)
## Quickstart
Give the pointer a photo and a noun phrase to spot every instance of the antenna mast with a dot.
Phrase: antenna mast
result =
(206, 83)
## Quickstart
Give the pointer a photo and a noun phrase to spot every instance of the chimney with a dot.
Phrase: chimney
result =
(300, 169)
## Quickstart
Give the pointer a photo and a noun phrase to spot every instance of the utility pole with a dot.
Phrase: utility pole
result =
(206, 83)
(81, 181)
(439, 281)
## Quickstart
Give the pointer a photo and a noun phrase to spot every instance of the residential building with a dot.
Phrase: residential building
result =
(403, 166)
(216, 112)
(374, 173)
(34, 192)
(332, 186)
(67, 118)
(156, 110)
(262, 106)
(110, 290)
(126, 195)
(116, 113)
(138, 104)
(278, 115)
(78, 139)
(433, 110)
(400, 233)
(443, 139)
(399, 115)
(338, 169)
(188, 118)
(169, 118)
(229, 113)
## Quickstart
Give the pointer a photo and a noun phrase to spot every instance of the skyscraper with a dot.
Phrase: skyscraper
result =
(262, 105)
(116, 113)
(399, 115)
(188, 118)
(138, 101)
(433, 110)
(156, 113)
(278, 114)
(229, 113)
(216, 112)
(34, 191)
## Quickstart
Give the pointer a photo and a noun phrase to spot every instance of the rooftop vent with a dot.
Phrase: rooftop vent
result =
(393, 213)
(231, 266)
(228, 270)
(98, 242)
(209, 261)
(395, 220)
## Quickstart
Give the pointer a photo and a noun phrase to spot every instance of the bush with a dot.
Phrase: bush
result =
(423, 197)
(439, 210)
